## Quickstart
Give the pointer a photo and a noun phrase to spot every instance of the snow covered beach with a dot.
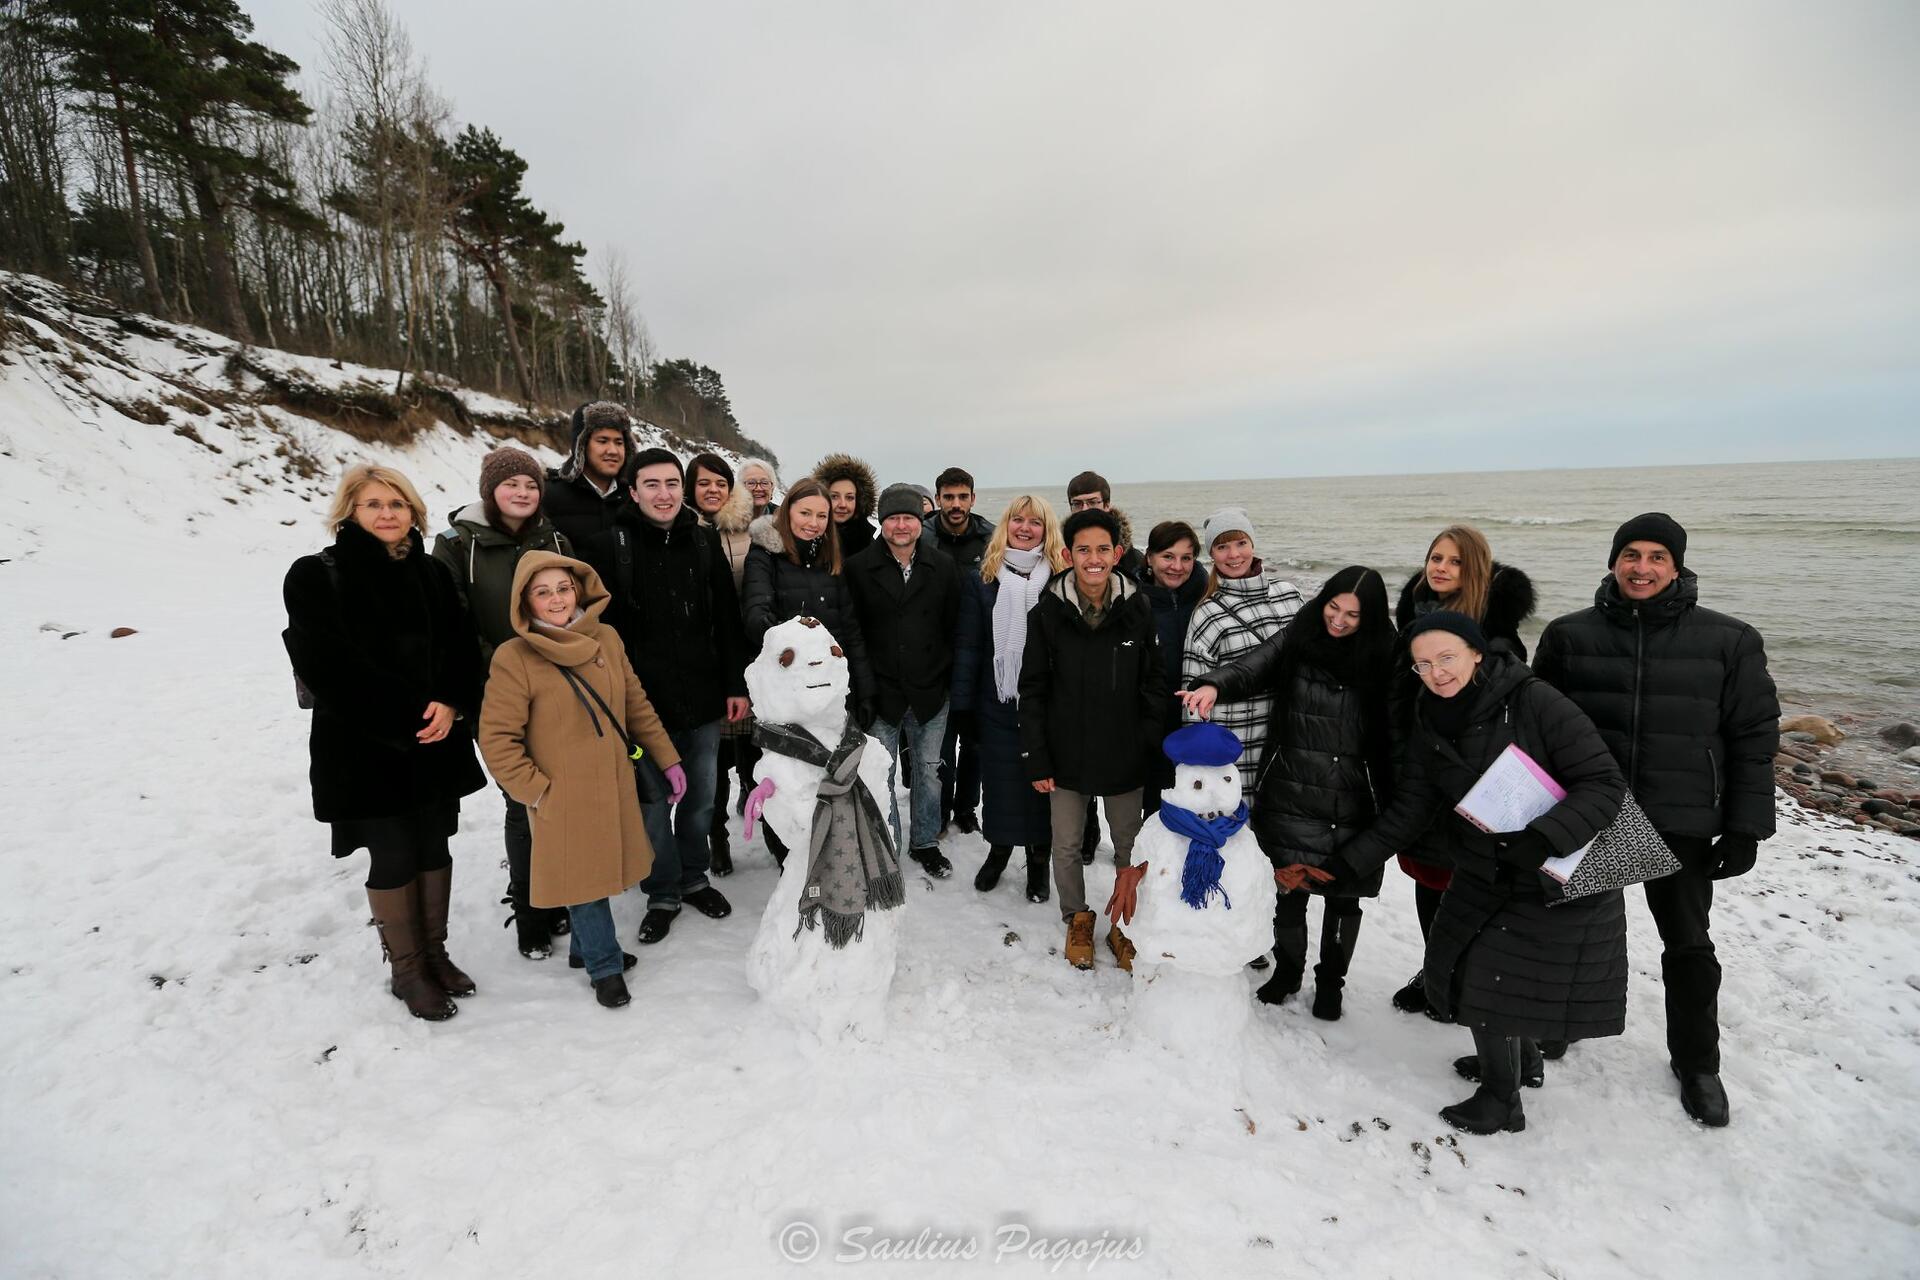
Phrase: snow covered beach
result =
(202, 1073)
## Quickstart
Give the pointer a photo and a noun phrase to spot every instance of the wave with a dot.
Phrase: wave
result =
(1535, 520)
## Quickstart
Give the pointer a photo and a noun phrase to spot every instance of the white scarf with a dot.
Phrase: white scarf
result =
(1022, 578)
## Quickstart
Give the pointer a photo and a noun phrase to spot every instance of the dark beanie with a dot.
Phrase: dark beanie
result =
(503, 464)
(1448, 620)
(1654, 526)
(902, 500)
(653, 458)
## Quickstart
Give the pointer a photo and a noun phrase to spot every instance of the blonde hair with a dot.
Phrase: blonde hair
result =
(359, 476)
(1476, 569)
(1054, 547)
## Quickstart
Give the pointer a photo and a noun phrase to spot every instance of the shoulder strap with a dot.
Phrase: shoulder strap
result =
(634, 750)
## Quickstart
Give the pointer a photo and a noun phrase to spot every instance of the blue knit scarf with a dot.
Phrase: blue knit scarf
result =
(1201, 876)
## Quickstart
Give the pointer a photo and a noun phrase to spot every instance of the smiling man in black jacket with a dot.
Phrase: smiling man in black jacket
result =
(678, 615)
(1682, 696)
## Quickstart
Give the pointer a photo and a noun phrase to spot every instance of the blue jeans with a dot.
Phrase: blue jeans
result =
(924, 740)
(678, 833)
(593, 939)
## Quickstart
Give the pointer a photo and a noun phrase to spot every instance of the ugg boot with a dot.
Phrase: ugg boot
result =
(1039, 873)
(1495, 1105)
(1121, 946)
(396, 915)
(989, 874)
(436, 891)
(1080, 940)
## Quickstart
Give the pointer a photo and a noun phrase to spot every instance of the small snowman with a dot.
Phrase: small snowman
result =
(824, 955)
(1198, 900)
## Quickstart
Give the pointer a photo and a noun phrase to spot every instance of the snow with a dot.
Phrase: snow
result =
(203, 1074)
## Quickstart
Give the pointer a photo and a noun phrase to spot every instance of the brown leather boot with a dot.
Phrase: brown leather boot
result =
(1121, 946)
(396, 914)
(436, 889)
(1080, 940)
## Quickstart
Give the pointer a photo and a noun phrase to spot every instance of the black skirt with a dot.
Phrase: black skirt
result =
(425, 828)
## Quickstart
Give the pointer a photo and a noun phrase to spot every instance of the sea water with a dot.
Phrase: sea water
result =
(1822, 557)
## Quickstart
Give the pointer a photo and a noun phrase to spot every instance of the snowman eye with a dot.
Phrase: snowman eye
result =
(837, 653)
(1196, 784)
(786, 657)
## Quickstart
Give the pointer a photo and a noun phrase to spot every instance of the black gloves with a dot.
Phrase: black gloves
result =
(1734, 854)
(863, 713)
(1525, 848)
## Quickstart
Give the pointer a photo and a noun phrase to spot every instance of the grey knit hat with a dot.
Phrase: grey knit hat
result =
(1226, 520)
(902, 500)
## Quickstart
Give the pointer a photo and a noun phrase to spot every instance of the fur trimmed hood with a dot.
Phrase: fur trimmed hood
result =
(1510, 601)
(1126, 527)
(844, 466)
(764, 535)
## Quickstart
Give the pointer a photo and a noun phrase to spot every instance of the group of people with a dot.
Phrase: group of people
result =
(589, 627)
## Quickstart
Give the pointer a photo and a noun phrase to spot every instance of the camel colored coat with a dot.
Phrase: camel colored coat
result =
(589, 841)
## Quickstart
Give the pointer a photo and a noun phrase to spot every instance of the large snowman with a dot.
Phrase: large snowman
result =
(824, 955)
(1203, 897)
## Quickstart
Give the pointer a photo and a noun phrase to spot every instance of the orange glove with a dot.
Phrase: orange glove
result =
(1126, 892)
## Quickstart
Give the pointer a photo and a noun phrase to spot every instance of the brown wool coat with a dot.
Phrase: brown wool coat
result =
(589, 841)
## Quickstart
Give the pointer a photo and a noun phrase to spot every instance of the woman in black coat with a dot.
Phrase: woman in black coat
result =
(378, 638)
(1500, 959)
(1328, 768)
(1023, 554)
(1173, 589)
(1460, 574)
(794, 571)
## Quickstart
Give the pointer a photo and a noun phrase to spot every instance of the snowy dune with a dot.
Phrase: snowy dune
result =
(203, 1074)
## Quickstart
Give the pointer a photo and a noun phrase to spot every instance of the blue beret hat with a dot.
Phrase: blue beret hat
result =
(1202, 743)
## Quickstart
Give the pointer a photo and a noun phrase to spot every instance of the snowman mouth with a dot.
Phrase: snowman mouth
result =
(819, 686)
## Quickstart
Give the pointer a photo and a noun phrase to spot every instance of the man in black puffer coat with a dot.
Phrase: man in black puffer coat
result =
(585, 491)
(1682, 696)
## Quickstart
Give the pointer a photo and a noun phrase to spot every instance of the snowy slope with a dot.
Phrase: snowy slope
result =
(203, 1075)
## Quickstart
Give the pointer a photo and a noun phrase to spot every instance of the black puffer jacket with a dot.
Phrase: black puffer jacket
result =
(1328, 768)
(1499, 957)
(375, 652)
(676, 612)
(908, 625)
(1091, 699)
(776, 589)
(569, 500)
(968, 549)
(1683, 698)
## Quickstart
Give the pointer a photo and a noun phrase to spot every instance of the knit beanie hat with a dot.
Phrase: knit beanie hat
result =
(1225, 520)
(902, 500)
(503, 464)
(1654, 526)
(1447, 620)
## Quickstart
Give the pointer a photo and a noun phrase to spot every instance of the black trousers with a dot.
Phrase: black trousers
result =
(1339, 931)
(1426, 905)
(959, 772)
(1690, 971)
(519, 839)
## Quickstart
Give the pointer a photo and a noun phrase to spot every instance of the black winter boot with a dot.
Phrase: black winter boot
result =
(1533, 1067)
(530, 924)
(989, 874)
(1039, 873)
(720, 855)
(1289, 949)
(1412, 998)
(1704, 1097)
(611, 992)
(1495, 1105)
(1339, 932)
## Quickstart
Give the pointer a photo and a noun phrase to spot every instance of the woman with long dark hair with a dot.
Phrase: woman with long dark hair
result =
(1461, 575)
(379, 642)
(1328, 768)
(1174, 589)
(727, 508)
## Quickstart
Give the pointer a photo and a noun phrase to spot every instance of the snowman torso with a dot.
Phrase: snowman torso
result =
(1232, 926)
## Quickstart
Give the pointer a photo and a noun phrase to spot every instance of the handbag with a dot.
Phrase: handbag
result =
(1628, 852)
(647, 780)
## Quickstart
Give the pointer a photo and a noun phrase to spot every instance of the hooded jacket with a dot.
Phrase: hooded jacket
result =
(482, 560)
(1684, 700)
(857, 533)
(550, 746)
(570, 502)
(1092, 699)
(778, 589)
(377, 639)
(675, 608)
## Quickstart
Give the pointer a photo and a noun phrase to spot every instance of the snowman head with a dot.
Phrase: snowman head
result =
(1206, 772)
(800, 677)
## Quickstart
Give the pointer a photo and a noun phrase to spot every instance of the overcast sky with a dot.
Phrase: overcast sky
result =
(1215, 240)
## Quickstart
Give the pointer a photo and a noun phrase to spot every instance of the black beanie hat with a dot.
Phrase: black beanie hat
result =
(1654, 526)
(1448, 620)
(902, 500)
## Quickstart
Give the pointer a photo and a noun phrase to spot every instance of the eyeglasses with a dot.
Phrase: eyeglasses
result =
(1086, 504)
(376, 506)
(1446, 662)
